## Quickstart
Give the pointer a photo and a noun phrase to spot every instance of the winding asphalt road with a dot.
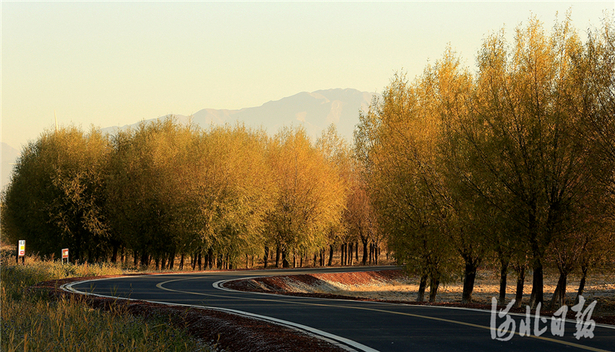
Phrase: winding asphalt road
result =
(362, 326)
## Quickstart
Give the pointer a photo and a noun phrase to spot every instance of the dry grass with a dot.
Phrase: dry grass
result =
(599, 286)
(395, 285)
(37, 323)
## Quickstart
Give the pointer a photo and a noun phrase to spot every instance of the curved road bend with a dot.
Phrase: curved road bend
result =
(380, 326)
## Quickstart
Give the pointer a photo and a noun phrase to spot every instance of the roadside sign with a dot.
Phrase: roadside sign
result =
(65, 253)
(22, 248)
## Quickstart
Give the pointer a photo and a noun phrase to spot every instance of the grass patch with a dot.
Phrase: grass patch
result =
(34, 322)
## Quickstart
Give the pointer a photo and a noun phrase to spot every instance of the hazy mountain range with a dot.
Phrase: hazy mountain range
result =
(315, 111)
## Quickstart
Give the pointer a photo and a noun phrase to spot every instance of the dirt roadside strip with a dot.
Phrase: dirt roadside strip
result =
(227, 331)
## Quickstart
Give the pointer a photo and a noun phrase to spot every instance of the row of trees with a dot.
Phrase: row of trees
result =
(513, 162)
(165, 191)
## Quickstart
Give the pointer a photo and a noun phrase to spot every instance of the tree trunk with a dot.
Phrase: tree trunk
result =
(342, 252)
(584, 270)
(537, 295)
(364, 251)
(371, 253)
(503, 277)
(376, 253)
(520, 283)
(220, 264)
(330, 255)
(559, 296)
(422, 285)
(356, 251)
(468, 281)
(181, 262)
(210, 258)
(433, 289)
(285, 263)
(172, 259)
(114, 255)
(266, 257)
(277, 256)
(144, 259)
(350, 253)
(347, 254)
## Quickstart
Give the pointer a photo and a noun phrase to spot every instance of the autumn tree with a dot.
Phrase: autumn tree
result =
(232, 190)
(309, 196)
(359, 215)
(56, 195)
(595, 77)
(406, 184)
(468, 218)
(522, 138)
(354, 225)
(146, 190)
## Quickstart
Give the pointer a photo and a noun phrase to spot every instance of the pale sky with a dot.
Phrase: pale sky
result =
(116, 63)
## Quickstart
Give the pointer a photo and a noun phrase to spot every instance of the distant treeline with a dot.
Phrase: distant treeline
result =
(512, 165)
(166, 190)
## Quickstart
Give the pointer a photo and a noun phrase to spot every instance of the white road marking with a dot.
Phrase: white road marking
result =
(341, 342)
(337, 340)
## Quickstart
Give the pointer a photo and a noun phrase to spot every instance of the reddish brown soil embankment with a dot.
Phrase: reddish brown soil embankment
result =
(358, 285)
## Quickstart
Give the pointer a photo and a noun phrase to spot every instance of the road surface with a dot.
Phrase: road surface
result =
(367, 326)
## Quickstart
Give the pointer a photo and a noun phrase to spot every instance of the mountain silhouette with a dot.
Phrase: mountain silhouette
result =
(315, 111)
